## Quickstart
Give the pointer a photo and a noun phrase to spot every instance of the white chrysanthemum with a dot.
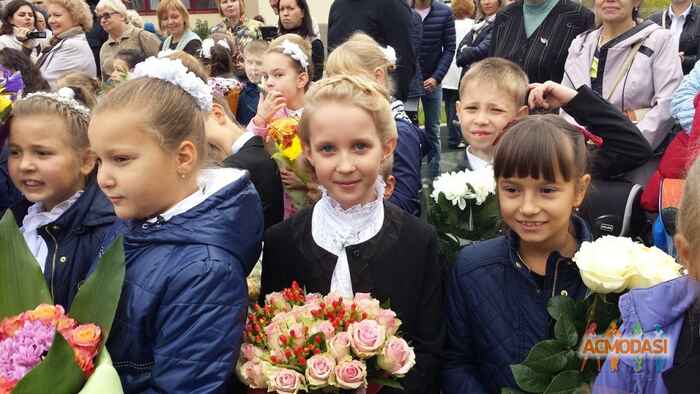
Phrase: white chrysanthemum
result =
(458, 187)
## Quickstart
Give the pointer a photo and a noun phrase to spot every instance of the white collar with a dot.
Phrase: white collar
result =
(683, 15)
(297, 113)
(240, 141)
(334, 228)
(474, 161)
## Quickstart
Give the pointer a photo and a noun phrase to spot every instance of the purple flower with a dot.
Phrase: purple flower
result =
(12, 82)
(23, 351)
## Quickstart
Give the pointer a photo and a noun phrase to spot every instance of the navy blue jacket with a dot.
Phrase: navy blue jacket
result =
(416, 87)
(407, 159)
(9, 195)
(247, 103)
(180, 319)
(438, 44)
(496, 311)
(474, 47)
(73, 241)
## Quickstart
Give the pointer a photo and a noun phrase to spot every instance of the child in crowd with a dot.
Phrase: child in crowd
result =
(285, 78)
(64, 216)
(361, 55)
(191, 235)
(250, 95)
(233, 146)
(85, 87)
(124, 62)
(215, 55)
(351, 240)
(498, 289)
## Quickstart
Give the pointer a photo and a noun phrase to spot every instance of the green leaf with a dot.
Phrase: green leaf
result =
(565, 331)
(58, 371)
(394, 384)
(549, 356)
(566, 382)
(508, 390)
(97, 299)
(530, 380)
(321, 344)
(22, 285)
(561, 305)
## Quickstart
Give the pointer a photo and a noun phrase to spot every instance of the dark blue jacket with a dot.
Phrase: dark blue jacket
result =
(180, 320)
(416, 87)
(247, 103)
(496, 311)
(474, 46)
(9, 195)
(407, 159)
(73, 241)
(438, 44)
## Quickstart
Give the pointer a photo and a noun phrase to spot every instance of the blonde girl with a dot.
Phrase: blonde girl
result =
(191, 235)
(351, 240)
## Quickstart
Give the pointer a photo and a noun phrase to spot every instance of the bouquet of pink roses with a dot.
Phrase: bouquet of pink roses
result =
(307, 342)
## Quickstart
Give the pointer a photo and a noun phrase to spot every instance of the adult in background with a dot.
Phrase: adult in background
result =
(295, 17)
(463, 12)
(387, 21)
(239, 28)
(274, 4)
(415, 89)
(174, 19)
(68, 49)
(122, 35)
(436, 54)
(42, 18)
(18, 21)
(536, 33)
(681, 17)
(476, 44)
(632, 64)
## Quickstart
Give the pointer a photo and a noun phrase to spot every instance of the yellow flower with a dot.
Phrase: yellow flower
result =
(285, 133)
(294, 150)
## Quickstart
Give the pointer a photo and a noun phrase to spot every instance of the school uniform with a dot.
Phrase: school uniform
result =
(392, 255)
(247, 103)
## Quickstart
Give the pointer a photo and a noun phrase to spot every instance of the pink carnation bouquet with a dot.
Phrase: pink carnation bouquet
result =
(309, 342)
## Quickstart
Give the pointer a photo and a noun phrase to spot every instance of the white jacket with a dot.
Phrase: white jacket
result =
(72, 54)
(10, 41)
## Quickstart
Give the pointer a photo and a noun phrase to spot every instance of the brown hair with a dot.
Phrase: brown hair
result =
(503, 74)
(256, 47)
(276, 47)
(689, 210)
(78, 10)
(463, 9)
(166, 5)
(352, 91)
(541, 146)
(359, 55)
(84, 86)
(173, 118)
(191, 63)
(76, 124)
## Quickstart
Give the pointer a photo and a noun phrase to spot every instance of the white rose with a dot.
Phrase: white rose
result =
(652, 267)
(606, 264)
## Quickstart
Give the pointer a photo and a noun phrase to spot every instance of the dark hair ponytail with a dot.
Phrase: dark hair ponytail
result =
(221, 64)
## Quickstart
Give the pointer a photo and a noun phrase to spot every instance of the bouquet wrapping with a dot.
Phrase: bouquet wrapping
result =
(40, 345)
(308, 342)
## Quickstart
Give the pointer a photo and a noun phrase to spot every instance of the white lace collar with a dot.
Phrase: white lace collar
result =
(334, 228)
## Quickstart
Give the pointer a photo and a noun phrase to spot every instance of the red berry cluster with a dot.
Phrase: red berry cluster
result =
(257, 320)
(297, 356)
(294, 295)
(338, 315)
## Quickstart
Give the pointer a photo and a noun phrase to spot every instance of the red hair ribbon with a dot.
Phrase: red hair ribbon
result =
(596, 140)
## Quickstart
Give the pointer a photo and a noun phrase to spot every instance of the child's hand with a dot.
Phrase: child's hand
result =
(290, 180)
(549, 95)
(269, 106)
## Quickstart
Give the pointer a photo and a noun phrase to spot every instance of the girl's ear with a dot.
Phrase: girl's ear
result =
(87, 162)
(388, 148)
(522, 112)
(302, 80)
(217, 111)
(684, 255)
(186, 158)
(581, 189)
(307, 153)
(380, 75)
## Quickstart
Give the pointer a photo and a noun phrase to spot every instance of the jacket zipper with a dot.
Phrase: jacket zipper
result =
(53, 258)
(556, 275)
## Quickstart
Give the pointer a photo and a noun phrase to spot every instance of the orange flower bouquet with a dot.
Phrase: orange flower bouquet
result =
(285, 134)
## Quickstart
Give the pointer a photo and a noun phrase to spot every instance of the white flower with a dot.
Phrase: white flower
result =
(389, 54)
(615, 264)
(458, 187)
(208, 44)
(173, 71)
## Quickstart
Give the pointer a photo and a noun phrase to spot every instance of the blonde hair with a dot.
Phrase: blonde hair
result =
(173, 118)
(504, 74)
(78, 10)
(359, 55)
(76, 124)
(355, 91)
(256, 47)
(134, 19)
(114, 5)
(276, 47)
(166, 5)
(688, 216)
(241, 9)
(463, 9)
(84, 86)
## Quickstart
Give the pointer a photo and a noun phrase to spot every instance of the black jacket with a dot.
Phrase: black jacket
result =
(387, 21)
(265, 177)
(474, 47)
(690, 37)
(438, 43)
(73, 240)
(542, 56)
(399, 264)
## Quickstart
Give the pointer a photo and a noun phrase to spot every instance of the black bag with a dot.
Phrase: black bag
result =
(612, 207)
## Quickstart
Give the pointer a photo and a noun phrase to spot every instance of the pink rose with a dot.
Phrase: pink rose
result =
(319, 369)
(284, 381)
(351, 374)
(277, 301)
(296, 334)
(387, 318)
(273, 332)
(277, 356)
(251, 374)
(251, 352)
(369, 306)
(331, 298)
(339, 345)
(362, 296)
(366, 338)
(314, 298)
(396, 357)
(322, 326)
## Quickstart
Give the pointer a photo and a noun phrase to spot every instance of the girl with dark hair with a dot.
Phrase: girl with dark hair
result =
(295, 17)
(18, 22)
(15, 60)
